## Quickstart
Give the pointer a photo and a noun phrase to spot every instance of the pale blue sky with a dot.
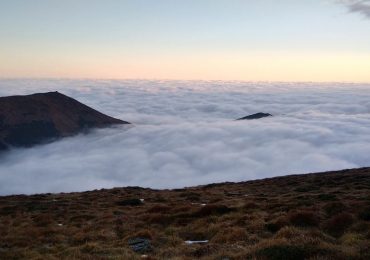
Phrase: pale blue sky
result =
(129, 39)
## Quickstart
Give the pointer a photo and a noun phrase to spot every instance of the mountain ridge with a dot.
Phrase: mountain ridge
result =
(27, 120)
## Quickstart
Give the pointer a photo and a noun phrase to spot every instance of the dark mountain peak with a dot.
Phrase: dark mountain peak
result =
(255, 116)
(32, 119)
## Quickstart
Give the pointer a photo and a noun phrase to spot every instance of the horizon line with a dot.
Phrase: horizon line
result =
(171, 79)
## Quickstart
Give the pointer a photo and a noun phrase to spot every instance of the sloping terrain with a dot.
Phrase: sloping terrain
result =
(33, 119)
(313, 216)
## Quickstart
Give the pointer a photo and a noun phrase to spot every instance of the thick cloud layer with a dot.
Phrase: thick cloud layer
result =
(185, 134)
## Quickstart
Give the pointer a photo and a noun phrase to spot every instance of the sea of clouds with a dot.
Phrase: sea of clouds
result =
(185, 134)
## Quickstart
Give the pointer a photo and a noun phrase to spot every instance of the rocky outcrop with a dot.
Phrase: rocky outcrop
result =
(255, 116)
(37, 118)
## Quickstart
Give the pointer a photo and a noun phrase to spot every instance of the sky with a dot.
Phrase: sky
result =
(264, 40)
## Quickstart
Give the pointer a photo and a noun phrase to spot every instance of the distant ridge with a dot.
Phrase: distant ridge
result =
(255, 116)
(32, 119)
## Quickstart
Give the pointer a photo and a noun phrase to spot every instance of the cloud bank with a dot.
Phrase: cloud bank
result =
(358, 6)
(185, 134)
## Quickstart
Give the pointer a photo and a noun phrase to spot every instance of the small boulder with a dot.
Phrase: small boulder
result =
(140, 245)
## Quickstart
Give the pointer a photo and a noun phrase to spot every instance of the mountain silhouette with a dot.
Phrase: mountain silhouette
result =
(33, 119)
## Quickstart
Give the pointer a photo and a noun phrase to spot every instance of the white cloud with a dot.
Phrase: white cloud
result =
(185, 134)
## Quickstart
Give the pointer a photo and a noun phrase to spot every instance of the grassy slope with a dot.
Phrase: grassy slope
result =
(314, 216)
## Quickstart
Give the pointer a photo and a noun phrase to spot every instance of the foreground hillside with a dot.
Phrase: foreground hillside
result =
(314, 216)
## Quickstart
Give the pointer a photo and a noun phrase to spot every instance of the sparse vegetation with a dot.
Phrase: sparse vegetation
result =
(314, 216)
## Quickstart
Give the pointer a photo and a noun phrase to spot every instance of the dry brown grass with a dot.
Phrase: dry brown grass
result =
(315, 216)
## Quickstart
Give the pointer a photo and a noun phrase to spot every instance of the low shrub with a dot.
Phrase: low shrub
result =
(182, 209)
(327, 197)
(43, 220)
(351, 239)
(212, 209)
(304, 219)
(230, 235)
(157, 218)
(337, 224)
(282, 252)
(159, 209)
(36, 206)
(145, 233)
(129, 202)
(190, 196)
(200, 251)
(189, 234)
(82, 217)
(8, 210)
(250, 206)
(277, 224)
(333, 208)
(306, 188)
(159, 198)
(365, 214)
(90, 247)
(119, 227)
